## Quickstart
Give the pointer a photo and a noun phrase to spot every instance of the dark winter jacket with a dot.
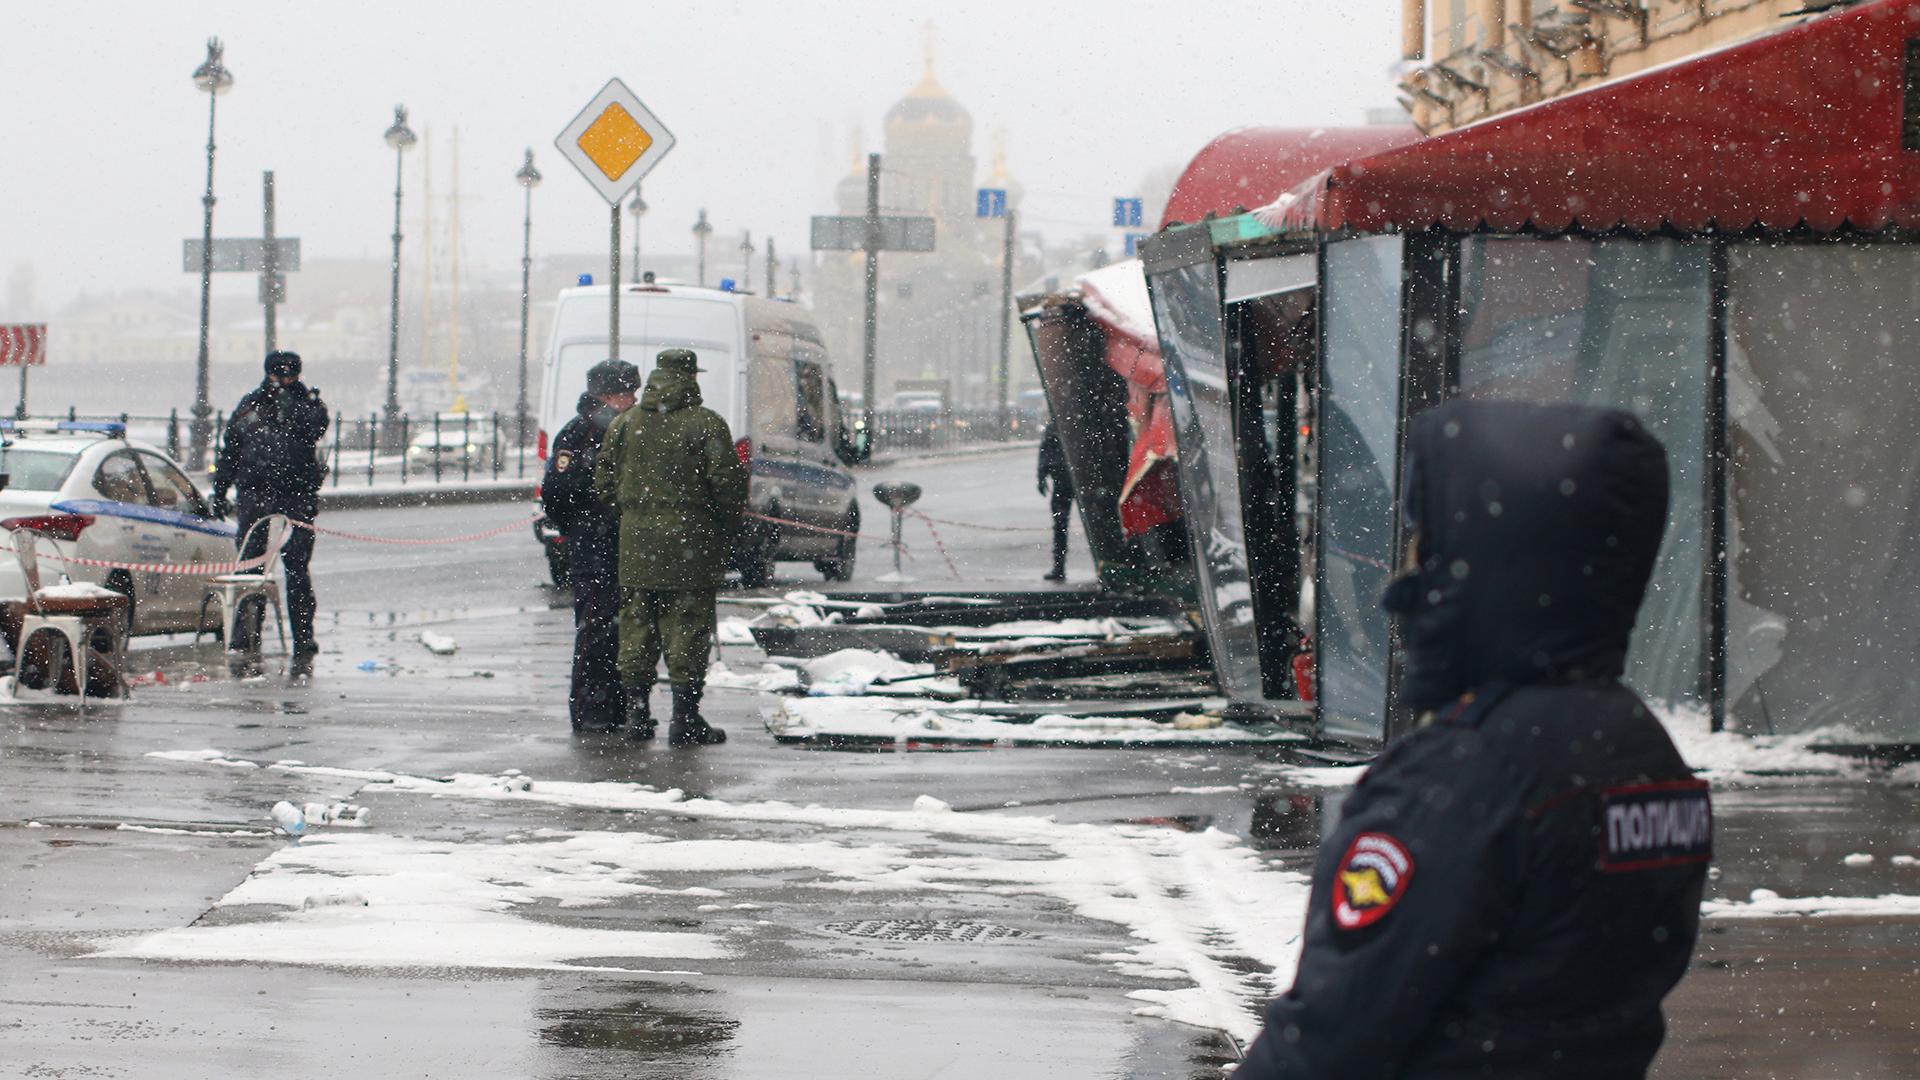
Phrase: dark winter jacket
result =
(1053, 461)
(669, 467)
(1513, 887)
(566, 491)
(269, 449)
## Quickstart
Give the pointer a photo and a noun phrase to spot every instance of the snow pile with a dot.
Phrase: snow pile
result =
(771, 678)
(904, 721)
(1767, 904)
(1200, 908)
(439, 644)
(1727, 755)
(851, 672)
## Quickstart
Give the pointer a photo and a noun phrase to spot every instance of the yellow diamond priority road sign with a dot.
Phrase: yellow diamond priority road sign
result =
(614, 141)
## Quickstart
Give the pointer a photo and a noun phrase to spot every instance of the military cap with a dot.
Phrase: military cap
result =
(679, 361)
(612, 377)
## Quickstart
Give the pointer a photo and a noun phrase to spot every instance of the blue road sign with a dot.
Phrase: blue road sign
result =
(1134, 240)
(990, 202)
(1127, 213)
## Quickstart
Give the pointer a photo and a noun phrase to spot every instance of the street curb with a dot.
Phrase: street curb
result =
(384, 498)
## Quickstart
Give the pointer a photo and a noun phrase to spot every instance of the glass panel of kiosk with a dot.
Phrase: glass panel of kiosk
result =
(1624, 322)
(1823, 491)
(1358, 458)
(1193, 345)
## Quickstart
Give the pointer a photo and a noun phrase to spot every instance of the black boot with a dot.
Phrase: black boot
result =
(1059, 571)
(640, 723)
(687, 727)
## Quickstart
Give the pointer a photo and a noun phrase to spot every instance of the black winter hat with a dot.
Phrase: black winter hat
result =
(286, 365)
(612, 377)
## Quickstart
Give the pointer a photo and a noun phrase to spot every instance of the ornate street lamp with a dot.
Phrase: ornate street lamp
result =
(213, 78)
(529, 178)
(638, 208)
(701, 230)
(400, 137)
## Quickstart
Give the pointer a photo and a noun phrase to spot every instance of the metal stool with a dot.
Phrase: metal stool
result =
(76, 619)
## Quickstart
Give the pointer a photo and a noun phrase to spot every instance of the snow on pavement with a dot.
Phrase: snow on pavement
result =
(1199, 907)
(900, 720)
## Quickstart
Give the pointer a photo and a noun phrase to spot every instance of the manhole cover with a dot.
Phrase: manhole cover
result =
(925, 930)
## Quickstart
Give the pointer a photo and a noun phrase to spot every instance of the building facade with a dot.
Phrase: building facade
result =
(1472, 59)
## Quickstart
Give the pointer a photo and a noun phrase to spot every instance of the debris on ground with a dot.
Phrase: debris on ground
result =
(438, 644)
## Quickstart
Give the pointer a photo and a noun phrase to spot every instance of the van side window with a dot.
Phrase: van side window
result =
(810, 404)
(770, 389)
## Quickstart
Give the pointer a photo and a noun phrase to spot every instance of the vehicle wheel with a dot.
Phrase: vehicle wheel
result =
(756, 563)
(557, 565)
(122, 582)
(840, 567)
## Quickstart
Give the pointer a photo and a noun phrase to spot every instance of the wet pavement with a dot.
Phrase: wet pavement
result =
(787, 942)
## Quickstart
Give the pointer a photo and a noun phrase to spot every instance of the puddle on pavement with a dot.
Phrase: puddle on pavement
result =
(638, 1026)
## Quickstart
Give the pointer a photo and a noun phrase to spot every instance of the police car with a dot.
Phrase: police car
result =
(97, 494)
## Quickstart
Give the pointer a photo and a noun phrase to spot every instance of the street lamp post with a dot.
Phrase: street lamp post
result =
(700, 232)
(212, 77)
(400, 137)
(746, 260)
(529, 178)
(638, 207)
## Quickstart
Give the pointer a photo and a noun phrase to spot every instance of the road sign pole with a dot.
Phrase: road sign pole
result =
(20, 410)
(869, 347)
(613, 283)
(1006, 323)
(271, 271)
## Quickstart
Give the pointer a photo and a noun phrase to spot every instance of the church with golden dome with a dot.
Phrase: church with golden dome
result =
(939, 311)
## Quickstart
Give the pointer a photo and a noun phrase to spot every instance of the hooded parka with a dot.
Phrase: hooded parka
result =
(669, 469)
(1514, 886)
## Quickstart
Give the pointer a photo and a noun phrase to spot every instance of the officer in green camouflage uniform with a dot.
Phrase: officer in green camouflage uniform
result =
(670, 469)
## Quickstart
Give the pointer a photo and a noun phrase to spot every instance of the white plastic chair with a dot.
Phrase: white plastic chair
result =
(232, 591)
(76, 619)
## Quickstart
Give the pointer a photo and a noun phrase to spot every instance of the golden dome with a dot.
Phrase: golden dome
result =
(928, 105)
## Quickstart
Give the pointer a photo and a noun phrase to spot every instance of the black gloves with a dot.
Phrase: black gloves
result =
(221, 507)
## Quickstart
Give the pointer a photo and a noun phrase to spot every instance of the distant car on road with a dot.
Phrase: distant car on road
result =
(97, 494)
(464, 442)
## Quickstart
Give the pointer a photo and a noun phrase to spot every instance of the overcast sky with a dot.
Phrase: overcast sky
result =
(105, 133)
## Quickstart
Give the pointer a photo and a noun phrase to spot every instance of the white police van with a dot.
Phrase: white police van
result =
(765, 372)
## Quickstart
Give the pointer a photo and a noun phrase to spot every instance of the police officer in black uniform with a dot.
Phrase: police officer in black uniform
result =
(1053, 468)
(1514, 886)
(269, 457)
(592, 530)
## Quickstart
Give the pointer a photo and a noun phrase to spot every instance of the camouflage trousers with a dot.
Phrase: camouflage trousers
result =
(654, 623)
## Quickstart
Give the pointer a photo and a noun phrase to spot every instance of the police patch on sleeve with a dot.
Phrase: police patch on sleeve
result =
(561, 460)
(1648, 826)
(1371, 879)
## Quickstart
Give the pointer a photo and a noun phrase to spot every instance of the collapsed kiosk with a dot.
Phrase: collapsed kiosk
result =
(1725, 247)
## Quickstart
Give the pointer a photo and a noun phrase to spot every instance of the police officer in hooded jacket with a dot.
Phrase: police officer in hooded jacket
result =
(595, 701)
(269, 458)
(670, 469)
(1515, 885)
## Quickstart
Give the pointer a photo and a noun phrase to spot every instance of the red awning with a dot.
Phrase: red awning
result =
(1248, 167)
(1800, 127)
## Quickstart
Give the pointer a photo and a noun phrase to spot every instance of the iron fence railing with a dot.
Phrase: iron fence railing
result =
(911, 431)
(368, 450)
